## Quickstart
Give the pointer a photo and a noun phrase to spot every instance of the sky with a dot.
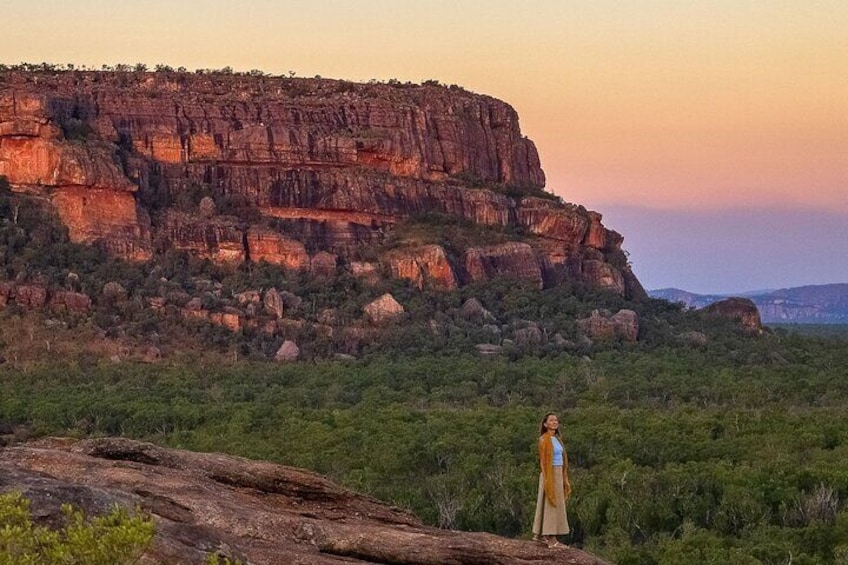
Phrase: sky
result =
(712, 134)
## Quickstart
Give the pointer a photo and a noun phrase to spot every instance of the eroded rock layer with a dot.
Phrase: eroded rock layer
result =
(252, 511)
(288, 168)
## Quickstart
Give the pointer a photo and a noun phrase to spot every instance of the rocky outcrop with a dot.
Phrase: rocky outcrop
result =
(473, 310)
(252, 511)
(423, 266)
(516, 260)
(75, 302)
(35, 296)
(264, 244)
(273, 303)
(236, 168)
(623, 325)
(383, 309)
(741, 309)
(288, 352)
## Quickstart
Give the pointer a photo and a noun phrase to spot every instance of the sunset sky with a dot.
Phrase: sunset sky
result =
(712, 134)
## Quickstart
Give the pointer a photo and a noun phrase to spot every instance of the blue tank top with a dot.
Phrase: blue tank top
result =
(557, 452)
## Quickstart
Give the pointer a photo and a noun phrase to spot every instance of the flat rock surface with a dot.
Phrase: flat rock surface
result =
(258, 512)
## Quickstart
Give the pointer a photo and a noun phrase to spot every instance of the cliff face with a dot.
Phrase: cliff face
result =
(296, 167)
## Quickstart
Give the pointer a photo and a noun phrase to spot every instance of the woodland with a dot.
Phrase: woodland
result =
(729, 448)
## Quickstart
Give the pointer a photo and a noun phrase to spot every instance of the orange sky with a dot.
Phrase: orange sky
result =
(669, 105)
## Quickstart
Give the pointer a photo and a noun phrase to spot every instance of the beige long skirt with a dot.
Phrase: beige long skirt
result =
(551, 520)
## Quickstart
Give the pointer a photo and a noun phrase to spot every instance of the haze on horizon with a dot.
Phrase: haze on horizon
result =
(713, 135)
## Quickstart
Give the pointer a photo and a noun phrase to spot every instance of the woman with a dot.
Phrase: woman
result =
(554, 487)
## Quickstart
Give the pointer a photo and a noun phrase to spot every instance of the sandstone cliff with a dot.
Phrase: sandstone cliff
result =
(256, 512)
(296, 167)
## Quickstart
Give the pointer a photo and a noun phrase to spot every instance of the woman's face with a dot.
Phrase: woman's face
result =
(552, 423)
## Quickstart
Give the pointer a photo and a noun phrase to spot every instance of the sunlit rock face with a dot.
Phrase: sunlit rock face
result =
(290, 168)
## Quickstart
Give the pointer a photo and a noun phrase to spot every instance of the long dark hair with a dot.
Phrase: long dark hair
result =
(542, 429)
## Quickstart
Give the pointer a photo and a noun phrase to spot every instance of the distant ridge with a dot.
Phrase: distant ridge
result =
(811, 304)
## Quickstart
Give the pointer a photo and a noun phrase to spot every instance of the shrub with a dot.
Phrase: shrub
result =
(116, 538)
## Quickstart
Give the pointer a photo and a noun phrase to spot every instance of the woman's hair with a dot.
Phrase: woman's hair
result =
(542, 429)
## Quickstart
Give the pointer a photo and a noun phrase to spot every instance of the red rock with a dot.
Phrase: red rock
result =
(425, 266)
(252, 511)
(553, 220)
(267, 245)
(192, 314)
(109, 216)
(513, 259)
(323, 264)
(338, 163)
(230, 319)
(7, 292)
(248, 297)
(219, 239)
(30, 296)
(624, 324)
(72, 301)
(598, 274)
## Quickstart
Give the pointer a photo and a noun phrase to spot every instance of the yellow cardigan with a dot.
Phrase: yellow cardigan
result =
(546, 461)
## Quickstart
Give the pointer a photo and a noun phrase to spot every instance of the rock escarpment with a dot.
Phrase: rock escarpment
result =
(253, 511)
(295, 167)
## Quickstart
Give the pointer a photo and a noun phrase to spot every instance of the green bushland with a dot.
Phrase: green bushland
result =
(112, 539)
(678, 455)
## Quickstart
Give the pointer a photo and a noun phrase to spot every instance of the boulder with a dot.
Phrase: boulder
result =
(368, 272)
(248, 297)
(207, 207)
(288, 352)
(31, 296)
(290, 301)
(626, 324)
(473, 310)
(383, 309)
(488, 349)
(740, 309)
(75, 302)
(323, 264)
(696, 339)
(529, 336)
(114, 291)
(623, 325)
(273, 303)
(230, 318)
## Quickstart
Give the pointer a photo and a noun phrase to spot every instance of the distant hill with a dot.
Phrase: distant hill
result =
(813, 304)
